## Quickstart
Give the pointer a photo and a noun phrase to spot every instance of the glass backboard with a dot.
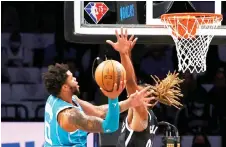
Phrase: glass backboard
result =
(85, 23)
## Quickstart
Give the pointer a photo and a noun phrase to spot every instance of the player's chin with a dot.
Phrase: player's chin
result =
(76, 90)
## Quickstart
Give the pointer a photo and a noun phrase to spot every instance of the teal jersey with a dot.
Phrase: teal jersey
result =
(54, 134)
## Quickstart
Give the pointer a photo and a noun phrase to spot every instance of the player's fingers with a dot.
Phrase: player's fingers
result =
(145, 89)
(155, 103)
(115, 87)
(134, 94)
(137, 93)
(149, 105)
(131, 38)
(148, 99)
(122, 35)
(126, 35)
(134, 42)
(121, 86)
(147, 93)
(110, 42)
(124, 84)
(117, 35)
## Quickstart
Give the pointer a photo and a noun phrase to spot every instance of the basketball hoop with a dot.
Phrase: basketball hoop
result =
(192, 34)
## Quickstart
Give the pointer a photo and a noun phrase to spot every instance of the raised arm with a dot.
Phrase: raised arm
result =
(131, 85)
(124, 46)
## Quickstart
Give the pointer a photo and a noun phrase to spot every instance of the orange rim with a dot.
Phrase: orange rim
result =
(184, 25)
(196, 15)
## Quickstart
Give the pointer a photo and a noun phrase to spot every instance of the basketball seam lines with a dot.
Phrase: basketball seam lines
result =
(113, 76)
(103, 78)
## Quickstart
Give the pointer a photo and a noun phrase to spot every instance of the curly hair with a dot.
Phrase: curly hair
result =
(55, 77)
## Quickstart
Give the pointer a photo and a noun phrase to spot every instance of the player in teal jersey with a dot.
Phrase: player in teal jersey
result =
(68, 119)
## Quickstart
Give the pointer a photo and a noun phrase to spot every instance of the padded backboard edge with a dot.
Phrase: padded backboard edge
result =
(70, 36)
(100, 39)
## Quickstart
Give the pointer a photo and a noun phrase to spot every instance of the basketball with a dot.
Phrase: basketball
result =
(108, 73)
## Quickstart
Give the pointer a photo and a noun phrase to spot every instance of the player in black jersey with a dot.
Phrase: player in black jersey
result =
(131, 138)
(140, 125)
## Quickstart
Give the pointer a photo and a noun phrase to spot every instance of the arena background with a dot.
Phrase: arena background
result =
(32, 37)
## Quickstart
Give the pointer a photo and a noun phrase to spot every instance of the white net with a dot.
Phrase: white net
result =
(192, 36)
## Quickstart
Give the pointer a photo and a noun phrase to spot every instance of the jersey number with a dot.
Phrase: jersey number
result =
(149, 143)
(48, 110)
(47, 135)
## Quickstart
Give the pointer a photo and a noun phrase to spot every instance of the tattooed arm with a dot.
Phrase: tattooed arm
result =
(101, 111)
(72, 119)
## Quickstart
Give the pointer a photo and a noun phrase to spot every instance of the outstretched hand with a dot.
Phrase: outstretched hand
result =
(116, 92)
(142, 98)
(123, 45)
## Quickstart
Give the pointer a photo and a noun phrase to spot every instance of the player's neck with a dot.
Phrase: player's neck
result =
(67, 97)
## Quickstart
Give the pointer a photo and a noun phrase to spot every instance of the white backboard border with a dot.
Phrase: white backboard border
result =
(136, 31)
(75, 31)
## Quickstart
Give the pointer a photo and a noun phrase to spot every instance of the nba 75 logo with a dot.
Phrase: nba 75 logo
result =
(96, 10)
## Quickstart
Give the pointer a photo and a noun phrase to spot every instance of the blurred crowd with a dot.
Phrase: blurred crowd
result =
(32, 39)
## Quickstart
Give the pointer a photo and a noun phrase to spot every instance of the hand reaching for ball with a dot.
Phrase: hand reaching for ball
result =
(143, 97)
(123, 44)
(108, 75)
(116, 92)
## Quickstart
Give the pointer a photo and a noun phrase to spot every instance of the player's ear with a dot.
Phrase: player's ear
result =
(64, 87)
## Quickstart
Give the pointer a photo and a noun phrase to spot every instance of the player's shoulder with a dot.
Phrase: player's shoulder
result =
(152, 114)
(64, 114)
(64, 119)
(57, 105)
(52, 99)
(125, 126)
(153, 121)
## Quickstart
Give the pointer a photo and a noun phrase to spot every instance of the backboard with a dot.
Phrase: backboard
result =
(141, 18)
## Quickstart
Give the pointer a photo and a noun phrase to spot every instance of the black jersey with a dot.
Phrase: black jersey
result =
(130, 138)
